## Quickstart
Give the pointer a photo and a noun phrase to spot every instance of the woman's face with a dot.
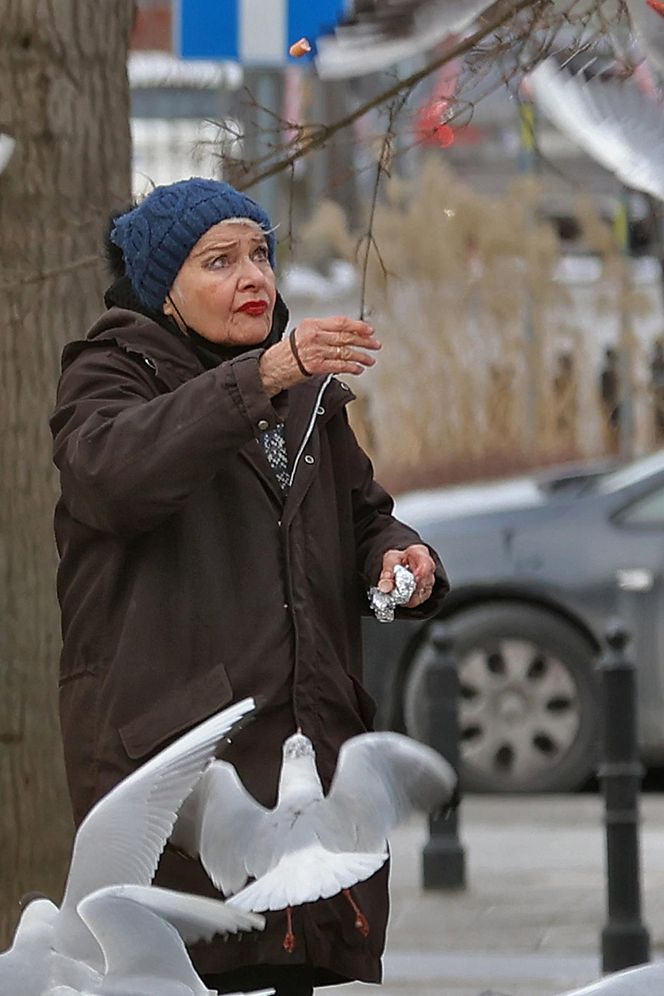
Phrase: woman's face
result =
(225, 289)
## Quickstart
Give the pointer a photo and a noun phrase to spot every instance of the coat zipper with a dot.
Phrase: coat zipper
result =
(310, 428)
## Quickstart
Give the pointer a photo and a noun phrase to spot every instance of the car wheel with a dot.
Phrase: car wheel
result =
(528, 706)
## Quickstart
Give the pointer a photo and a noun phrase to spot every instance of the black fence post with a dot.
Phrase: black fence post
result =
(625, 940)
(443, 857)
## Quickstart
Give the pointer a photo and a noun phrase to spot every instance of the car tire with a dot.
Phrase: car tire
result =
(528, 705)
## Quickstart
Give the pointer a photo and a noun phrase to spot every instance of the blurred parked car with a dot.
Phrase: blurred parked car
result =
(539, 566)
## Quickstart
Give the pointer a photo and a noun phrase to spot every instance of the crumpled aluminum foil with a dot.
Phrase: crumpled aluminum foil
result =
(383, 603)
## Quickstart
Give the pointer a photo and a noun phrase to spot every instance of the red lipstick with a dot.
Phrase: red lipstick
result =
(255, 308)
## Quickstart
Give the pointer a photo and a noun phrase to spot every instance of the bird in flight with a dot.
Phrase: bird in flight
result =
(144, 945)
(311, 845)
(119, 842)
(380, 33)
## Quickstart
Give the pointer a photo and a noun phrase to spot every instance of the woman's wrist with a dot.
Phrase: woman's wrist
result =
(278, 369)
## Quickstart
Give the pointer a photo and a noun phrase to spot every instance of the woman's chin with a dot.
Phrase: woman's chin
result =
(249, 332)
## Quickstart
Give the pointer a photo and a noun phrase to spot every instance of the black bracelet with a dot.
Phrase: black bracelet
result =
(293, 346)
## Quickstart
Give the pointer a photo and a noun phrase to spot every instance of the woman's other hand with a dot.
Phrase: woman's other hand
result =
(419, 561)
(335, 345)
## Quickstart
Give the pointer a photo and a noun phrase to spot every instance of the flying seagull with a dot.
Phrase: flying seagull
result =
(645, 980)
(611, 120)
(142, 933)
(310, 846)
(118, 843)
(381, 33)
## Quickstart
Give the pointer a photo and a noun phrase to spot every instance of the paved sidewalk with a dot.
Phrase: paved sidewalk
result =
(529, 921)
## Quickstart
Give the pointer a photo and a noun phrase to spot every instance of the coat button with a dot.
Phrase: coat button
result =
(263, 424)
(308, 459)
(286, 605)
(320, 410)
(345, 386)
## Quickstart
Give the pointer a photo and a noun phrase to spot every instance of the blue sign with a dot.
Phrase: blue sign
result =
(253, 32)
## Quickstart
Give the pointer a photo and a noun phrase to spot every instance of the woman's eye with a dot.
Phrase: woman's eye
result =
(260, 253)
(218, 262)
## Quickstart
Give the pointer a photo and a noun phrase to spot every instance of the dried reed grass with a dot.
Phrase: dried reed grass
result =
(487, 365)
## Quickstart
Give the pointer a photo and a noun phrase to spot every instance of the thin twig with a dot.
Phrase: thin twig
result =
(291, 198)
(382, 168)
(38, 277)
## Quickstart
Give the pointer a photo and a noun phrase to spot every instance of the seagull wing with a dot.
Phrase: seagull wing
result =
(137, 943)
(229, 820)
(368, 44)
(648, 26)
(122, 837)
(380, 780)
(612, 121)
(307, 875)
(196, 918)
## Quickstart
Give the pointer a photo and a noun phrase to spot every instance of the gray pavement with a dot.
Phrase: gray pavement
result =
(528, 923)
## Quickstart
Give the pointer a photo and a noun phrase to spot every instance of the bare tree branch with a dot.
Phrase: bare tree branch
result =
(321, 134)
(41, 275)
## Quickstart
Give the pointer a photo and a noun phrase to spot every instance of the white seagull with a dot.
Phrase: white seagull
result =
(611, 120)
(311, 846)
(644, 980)
(384, 32)
(118, 843)
(142, 933)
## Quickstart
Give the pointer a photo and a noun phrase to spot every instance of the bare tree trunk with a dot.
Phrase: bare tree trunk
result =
(64, 97)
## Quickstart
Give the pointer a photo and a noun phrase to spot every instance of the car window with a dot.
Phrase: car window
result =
(646, 511)
(634, 472)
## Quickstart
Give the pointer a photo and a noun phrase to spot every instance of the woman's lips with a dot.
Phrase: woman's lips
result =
(254, 308)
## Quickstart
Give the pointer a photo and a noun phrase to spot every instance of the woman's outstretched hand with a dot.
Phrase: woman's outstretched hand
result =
(334, 345)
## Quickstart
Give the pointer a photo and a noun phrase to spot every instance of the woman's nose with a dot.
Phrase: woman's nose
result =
(251, 272)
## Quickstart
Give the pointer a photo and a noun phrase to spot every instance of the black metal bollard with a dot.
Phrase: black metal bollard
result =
(625, 940)
(443, 857)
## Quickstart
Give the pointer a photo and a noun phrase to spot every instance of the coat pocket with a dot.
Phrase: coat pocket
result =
(176, 711)
(367, 705)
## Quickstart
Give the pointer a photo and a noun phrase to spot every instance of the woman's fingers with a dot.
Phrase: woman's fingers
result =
(343, 324)
(336, 345)
(390, 560)
(418, 560)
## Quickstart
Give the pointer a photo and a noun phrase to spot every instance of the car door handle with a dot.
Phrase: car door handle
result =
(635, 579)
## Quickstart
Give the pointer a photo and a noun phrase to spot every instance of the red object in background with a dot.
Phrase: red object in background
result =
(433, 132)
(153, 27)
(431, 128)
(657, 5)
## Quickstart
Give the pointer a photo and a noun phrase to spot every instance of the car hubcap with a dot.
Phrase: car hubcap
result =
(519, 711)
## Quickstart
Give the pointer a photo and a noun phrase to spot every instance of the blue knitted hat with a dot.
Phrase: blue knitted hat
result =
(158, 235)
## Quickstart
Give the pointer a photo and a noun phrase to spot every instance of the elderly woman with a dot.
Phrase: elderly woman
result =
(218, 529)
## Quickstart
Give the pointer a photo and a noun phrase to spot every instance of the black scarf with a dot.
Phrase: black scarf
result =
(121, 294)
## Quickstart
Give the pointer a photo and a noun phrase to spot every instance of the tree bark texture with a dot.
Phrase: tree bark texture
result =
(64, 97)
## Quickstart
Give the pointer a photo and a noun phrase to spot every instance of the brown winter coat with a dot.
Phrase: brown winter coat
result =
(186, 582)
